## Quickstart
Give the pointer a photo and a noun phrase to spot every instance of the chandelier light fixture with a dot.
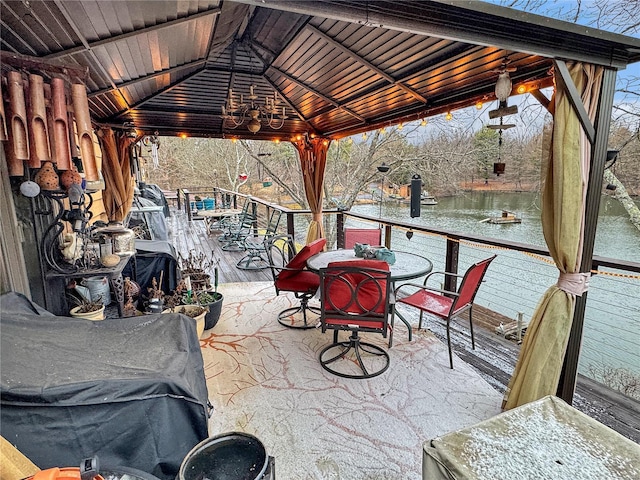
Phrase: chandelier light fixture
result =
(236, 111)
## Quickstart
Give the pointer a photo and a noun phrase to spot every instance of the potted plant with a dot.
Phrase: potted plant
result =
(179, 301)
(195, 266)
(88, 309)
(156, 296)
(212, 300)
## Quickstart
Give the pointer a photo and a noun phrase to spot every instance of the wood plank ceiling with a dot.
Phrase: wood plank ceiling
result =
(168, 66)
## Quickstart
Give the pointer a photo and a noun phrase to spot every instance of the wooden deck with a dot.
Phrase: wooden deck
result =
(494, 357)
(195, 237)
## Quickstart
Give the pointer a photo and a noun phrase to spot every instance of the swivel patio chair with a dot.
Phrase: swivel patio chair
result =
(355, 296)
(255, 259)
(445, 304)
(290, 275)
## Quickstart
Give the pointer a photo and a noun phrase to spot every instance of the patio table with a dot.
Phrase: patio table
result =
(408, 266)
(213, 217)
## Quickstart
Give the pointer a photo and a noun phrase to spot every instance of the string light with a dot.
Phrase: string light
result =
(479, 105)
(364, 136)
(423, 123)
(183, 135)
(401, 126)
(276, 140)
(382, 131)
(448, 116)
(350, 140)
(521, 89)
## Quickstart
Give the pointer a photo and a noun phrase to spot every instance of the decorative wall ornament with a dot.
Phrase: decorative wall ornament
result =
(18, 146)
(85, 140)
(37, 116)
(61, 147)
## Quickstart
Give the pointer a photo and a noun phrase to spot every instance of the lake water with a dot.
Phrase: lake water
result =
(612, 320)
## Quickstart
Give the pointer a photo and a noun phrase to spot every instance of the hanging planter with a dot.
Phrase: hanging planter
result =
(498, 168)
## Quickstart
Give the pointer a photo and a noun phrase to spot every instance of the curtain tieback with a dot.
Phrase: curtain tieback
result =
(574, 283)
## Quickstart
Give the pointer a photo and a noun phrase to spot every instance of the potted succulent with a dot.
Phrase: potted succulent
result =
(88, 309)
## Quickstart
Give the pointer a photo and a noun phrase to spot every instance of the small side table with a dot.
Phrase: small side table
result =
(55, 293)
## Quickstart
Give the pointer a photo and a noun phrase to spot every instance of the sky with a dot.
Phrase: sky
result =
(564, 10)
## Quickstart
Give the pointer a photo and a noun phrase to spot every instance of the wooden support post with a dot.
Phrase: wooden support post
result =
(451, 263)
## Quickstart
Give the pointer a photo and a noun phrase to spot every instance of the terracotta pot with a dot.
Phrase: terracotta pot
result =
(70, 177)
(47, 177)
(95, 315)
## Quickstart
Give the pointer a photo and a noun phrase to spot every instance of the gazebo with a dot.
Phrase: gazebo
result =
(309, 73)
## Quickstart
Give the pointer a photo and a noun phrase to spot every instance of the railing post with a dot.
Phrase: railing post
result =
(451, 264)
(387, 236)
(340, 230)
(178, 191)
(187, 203)
(291, 230)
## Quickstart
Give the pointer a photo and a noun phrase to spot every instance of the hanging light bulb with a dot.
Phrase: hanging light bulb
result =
(401, 126)
(364, 136)
(383, 131)
(423, 123)
(521, 89)
(479, 105)
(448, 116)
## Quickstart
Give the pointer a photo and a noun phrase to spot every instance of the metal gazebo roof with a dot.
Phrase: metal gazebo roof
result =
(338, 67)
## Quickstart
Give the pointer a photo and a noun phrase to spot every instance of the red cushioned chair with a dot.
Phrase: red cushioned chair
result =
(288, 268)
(445, 304)
(354, 296)
(370, 236)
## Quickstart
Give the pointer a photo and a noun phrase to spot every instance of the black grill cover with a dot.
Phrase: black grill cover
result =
(129, 390)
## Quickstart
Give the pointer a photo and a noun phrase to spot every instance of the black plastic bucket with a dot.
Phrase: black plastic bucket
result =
(230, 456)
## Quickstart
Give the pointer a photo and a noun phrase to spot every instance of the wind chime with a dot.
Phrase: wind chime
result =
(502, 91)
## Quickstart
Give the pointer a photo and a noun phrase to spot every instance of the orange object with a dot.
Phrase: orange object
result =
(18, 146)
(60, 135)
(3, 124)
(83, 125)
(37, 116)
(65, 473)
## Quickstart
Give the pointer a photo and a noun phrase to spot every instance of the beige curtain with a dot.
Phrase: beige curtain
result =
(116, 170)
(563, 202)
(313, 160)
